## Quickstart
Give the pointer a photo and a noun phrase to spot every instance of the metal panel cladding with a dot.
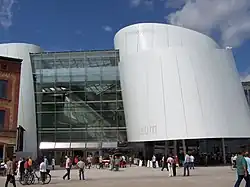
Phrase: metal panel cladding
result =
(179, 84)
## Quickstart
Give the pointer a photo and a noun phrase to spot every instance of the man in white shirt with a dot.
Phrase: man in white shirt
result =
(233, 159)
(186, 165)
(191, 162)
(42, 171)
(81, 166)
(68, 168)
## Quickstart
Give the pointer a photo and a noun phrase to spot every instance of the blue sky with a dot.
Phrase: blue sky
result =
(86, 24)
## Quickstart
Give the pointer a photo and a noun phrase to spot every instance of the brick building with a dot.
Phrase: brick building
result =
(10, 69)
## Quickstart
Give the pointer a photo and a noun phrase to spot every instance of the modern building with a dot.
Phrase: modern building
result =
(246, 85)
(9, 99)
(178, 79)
(26, 107)
(160, 84)
(78, 101)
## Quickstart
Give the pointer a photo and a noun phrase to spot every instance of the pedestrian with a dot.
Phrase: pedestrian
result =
(68, 165)
(174, 165)
(81, 166)
(248, 166)
(21, 168)
(170, 162)
(191, 162)
(43, 171)
(164, 163)
(242, 173)
(186, 164)
(53, 163)
(130, 161)
(10, 172)
(154, 161)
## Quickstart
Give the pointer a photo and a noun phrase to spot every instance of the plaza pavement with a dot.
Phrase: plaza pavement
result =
(146, 177)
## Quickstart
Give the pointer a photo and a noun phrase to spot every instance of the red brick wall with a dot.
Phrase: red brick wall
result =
(10, 105)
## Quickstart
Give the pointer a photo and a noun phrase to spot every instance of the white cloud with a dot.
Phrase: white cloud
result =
(135, 3)
(231, 18)
(6, 13)
(107, 28)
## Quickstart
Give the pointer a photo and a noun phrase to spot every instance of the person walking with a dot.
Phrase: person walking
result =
(10, 172)
(68, 168)
(22, 169)
(81, 166)
(186, 164)
(191, 162)
(154, 161)
(170, 162)
(53, 163)
(242, 173)
(43, 170)
(164, 163)
(130, 161)
(248, 166)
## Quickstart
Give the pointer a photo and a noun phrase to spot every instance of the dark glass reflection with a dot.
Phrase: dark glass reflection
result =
(87, 107)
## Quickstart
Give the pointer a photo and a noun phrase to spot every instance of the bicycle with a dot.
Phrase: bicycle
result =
(26, 179)
(31, 177)
(35, 176)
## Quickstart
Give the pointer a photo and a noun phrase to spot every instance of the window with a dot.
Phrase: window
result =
(2, 118)
(3, 89)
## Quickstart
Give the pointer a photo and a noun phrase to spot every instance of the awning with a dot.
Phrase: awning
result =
(93, 145)
(109, 145)
(47, 145)
(62, 145)
(77, 145)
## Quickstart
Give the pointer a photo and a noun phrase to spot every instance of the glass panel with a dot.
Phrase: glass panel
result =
(122, 136)
(3, 88)
(62, 136)
(47, 120)
(78, 136)
(78, 95)
(2, 118)
(47, 136)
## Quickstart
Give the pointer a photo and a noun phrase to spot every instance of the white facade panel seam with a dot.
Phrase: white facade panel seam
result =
(163, 96)
(197, 86)
(182, 100)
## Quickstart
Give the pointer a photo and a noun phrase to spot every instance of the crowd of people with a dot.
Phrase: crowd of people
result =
(171, 162)
(240, 162)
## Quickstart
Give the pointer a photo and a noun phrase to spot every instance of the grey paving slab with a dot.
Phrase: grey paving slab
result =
(146, 177)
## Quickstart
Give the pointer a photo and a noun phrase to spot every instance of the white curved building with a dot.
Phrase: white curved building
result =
(179, 84)
(26, 109)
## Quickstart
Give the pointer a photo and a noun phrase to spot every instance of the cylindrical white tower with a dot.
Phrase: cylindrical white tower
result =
(178, 84)
(26, 108)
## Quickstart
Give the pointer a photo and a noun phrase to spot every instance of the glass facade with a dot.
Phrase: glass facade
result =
(246, 86)
(78, 97)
